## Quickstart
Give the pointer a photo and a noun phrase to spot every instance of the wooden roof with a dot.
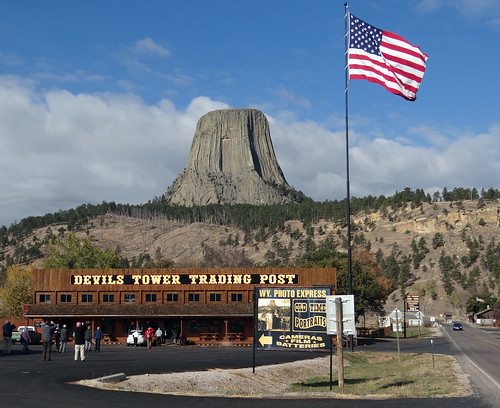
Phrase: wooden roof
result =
(133, 310)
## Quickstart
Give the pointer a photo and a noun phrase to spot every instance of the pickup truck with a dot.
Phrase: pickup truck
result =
(35, 337)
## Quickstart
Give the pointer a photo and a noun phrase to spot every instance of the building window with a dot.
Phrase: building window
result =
(215, 297)
(194, 297)
(65, 298)
(150, 297)
(44, 298)
(236, 297)
(129, 298)
(108, 298)
(87, 298)
(172, 297)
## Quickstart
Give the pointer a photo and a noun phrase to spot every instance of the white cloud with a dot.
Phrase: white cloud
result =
(313, 160)
(287, 97)
(476, 7)
(10, 59)
(61, 150)
(489, 9)
(134, 57)
(180, 79)
(147, 46)
(430, 5)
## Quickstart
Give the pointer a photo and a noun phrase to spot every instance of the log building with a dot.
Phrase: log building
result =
(201, 304)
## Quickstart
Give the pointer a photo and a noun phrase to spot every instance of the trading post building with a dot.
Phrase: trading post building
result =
(202, 305)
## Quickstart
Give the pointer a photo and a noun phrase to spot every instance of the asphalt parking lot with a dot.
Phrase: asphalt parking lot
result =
(27, 381)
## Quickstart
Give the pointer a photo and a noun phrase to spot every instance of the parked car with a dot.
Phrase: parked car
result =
(35, 337)
(16, 336)
(457, 326)
(141, 341)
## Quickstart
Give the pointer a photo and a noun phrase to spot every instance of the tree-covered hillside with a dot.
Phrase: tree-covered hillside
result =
(448, 261)
(246, 217)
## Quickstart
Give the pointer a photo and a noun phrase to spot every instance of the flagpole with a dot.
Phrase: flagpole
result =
(346, 70)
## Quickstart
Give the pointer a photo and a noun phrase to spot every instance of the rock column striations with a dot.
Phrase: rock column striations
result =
(231, 161)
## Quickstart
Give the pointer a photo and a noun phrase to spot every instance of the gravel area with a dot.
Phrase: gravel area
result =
(270, 380)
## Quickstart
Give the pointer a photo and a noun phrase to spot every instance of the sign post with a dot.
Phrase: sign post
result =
(397, 334)
(340, 344)
(348, 315)
(396, 314)
(341, 321)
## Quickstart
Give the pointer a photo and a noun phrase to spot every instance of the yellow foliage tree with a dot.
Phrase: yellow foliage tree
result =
(17, 291)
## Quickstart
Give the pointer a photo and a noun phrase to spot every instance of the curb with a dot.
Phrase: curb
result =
(111, 378)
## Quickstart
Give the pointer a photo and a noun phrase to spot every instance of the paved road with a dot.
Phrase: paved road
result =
(478, 351)
(26, 381)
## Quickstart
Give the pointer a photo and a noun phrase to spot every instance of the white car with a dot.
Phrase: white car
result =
(140, 338)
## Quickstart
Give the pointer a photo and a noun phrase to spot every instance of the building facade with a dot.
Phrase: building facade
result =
(198, 304)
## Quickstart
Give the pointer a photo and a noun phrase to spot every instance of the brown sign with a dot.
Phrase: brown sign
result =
(195, 279)
(412, 303)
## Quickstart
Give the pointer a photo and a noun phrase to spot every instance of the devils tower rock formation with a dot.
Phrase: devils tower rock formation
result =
(231, 161)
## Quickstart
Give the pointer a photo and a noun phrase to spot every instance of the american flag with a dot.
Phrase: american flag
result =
(384, 58)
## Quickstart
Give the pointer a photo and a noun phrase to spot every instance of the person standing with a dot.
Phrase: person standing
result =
(25, 340)
(64, 339)
(98, 337)
(57, 336)
(8, 327)
(149, 336)
(88, 339)
(158, 335)
(135, 336)
(80, 341)
(175, 335)
(47, 333)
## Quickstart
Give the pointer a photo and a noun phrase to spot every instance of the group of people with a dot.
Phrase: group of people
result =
(154, 336)
(52, 332)
(25, 338)
(158, 336)
(84, 338)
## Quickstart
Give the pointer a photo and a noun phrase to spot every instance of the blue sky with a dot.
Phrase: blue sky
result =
(99, 100)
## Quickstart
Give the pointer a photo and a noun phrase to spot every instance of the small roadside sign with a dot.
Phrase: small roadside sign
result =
(396, 314)
(348, 315)
(419, 315)
(412, 303)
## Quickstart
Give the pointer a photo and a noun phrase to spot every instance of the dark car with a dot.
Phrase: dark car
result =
(457, 326)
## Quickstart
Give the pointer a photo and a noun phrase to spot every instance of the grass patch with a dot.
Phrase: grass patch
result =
(369, 374)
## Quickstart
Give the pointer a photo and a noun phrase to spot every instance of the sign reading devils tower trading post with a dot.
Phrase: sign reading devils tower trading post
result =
(231, 161)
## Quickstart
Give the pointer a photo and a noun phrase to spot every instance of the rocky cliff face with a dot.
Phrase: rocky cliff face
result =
(231, 161)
